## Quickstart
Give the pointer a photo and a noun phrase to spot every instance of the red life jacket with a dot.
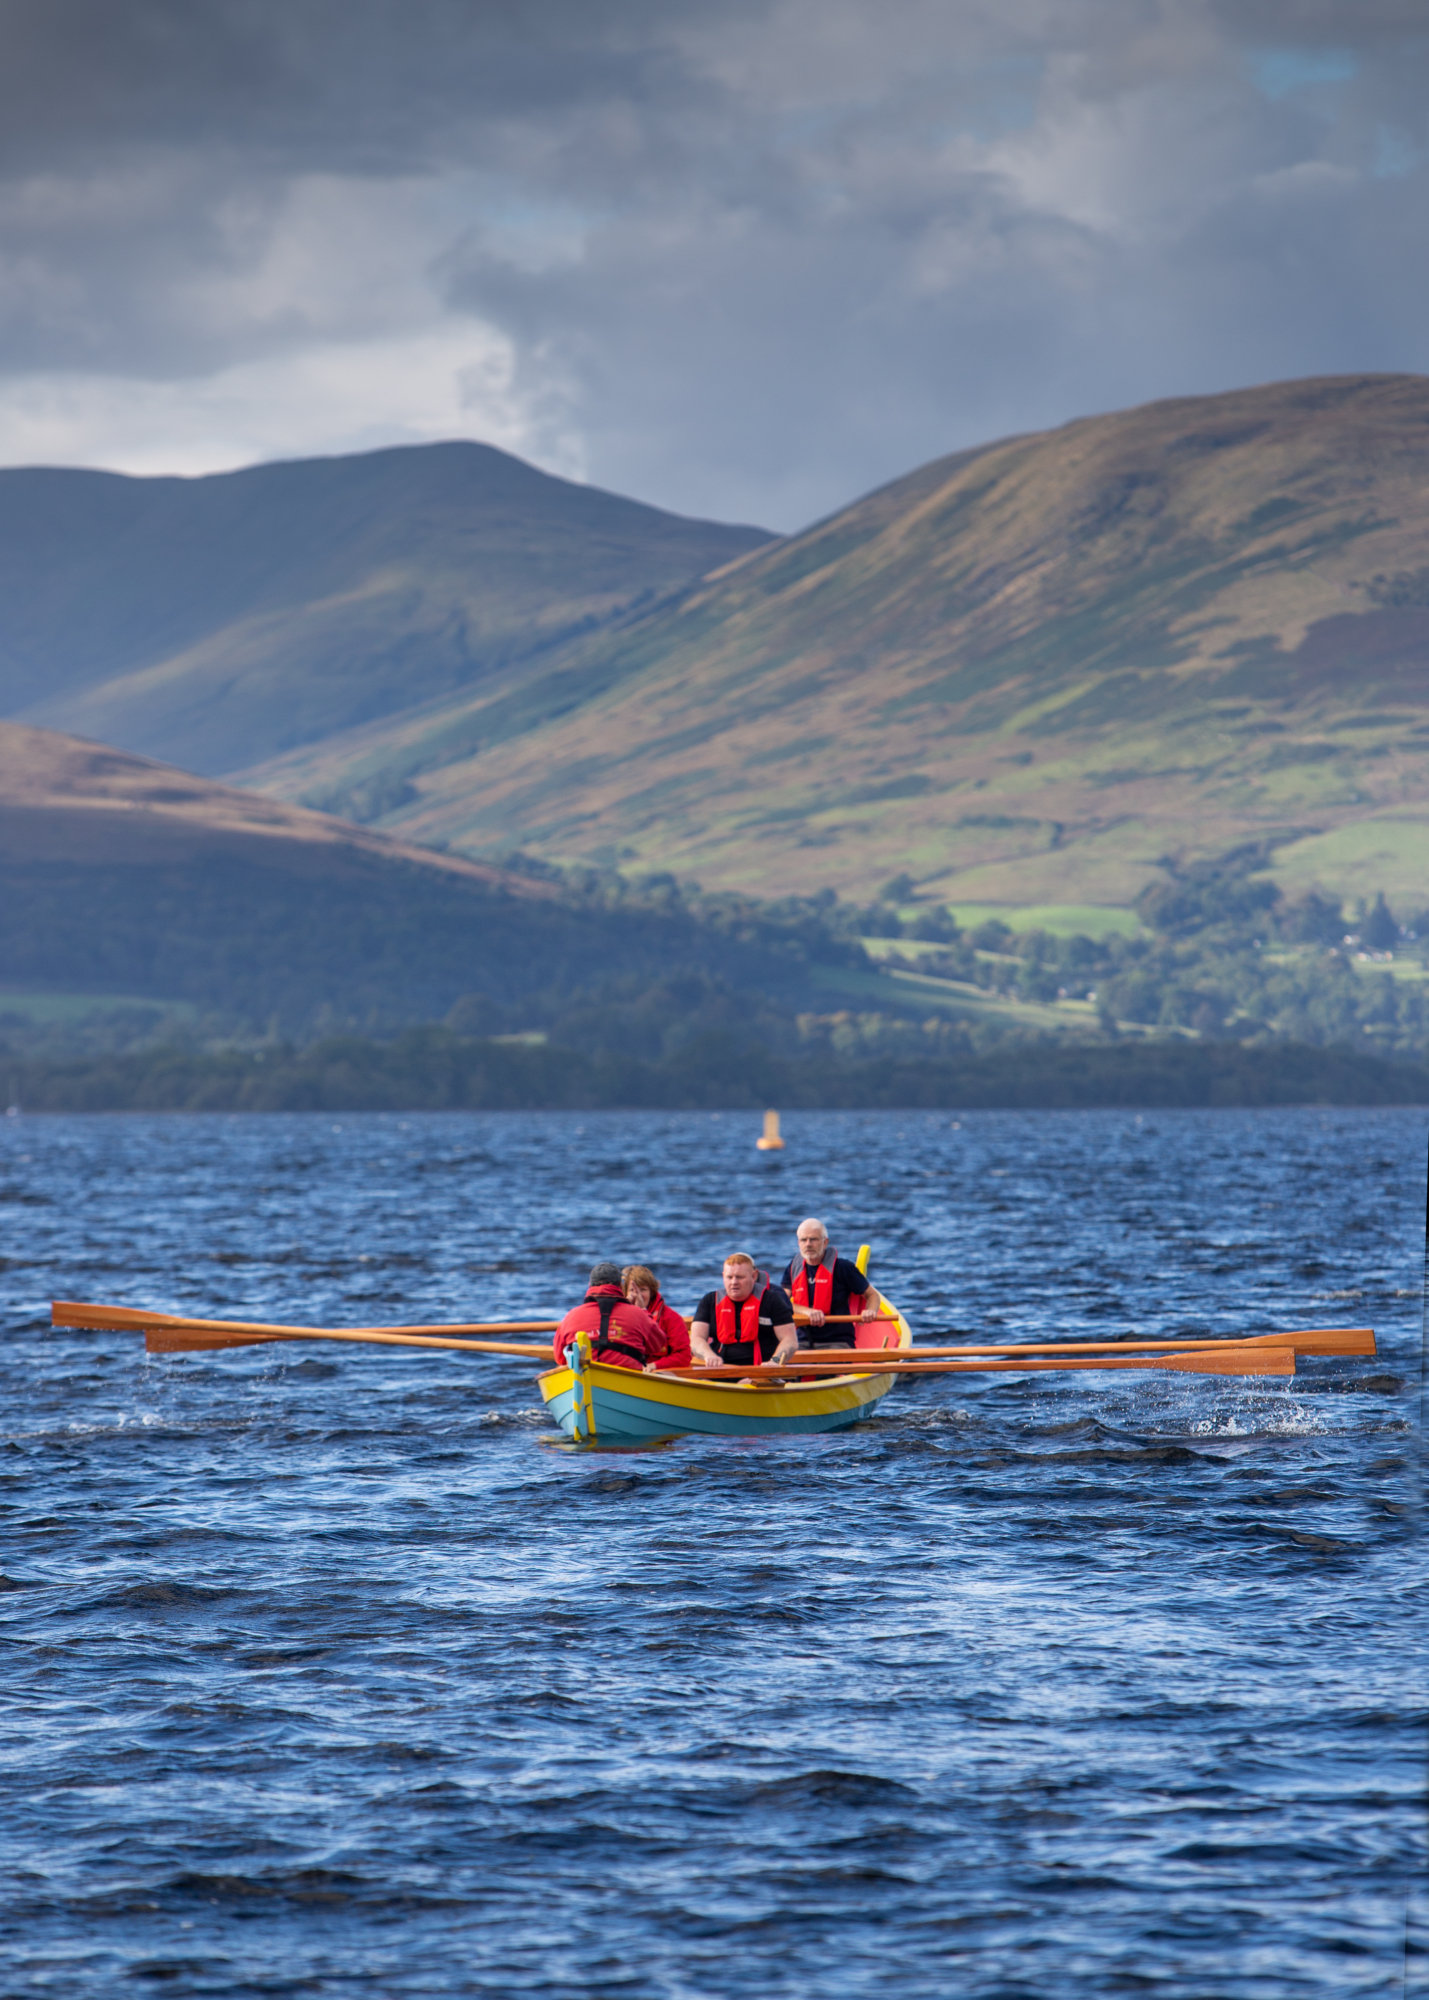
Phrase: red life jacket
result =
(677, 1335)
(735, 1324)
(823, 1298)
(604, 1345)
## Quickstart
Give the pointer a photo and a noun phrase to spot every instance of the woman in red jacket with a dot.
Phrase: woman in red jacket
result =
(642, 1288)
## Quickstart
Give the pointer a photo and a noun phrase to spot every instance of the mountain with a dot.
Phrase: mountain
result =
(1026, 674)
(166, 940)
(125, 879)
(215, 622)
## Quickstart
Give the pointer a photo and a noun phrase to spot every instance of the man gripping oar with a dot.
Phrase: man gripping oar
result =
(749, 1322)
(826, 1286)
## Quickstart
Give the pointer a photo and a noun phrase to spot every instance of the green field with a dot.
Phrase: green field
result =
(1387, 855)
(72, 1009)
(1091, 920)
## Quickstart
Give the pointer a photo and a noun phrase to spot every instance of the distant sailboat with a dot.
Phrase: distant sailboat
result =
(771, 1142)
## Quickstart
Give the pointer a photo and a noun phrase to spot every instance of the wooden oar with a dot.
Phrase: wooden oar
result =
(176, 1338)
(801, 1314)
(167, 1333)
(1328, 1340)
(1229, 1358)
(74, 1312)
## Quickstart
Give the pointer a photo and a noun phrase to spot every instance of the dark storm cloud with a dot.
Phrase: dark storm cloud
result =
(741, 258)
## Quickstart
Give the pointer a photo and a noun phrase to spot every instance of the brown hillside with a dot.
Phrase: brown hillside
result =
(1022, 674)
(65, 800)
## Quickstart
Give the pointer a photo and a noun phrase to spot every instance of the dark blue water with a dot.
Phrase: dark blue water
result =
(321, 1676)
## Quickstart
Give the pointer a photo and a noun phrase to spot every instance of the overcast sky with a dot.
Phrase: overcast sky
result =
(745, 258)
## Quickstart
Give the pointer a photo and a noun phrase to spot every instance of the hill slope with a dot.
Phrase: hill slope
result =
(217, 621)
(1022, 674)
(122, 877)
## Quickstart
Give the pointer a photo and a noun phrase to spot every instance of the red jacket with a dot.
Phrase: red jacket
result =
(677, 1336)
(631, 1325)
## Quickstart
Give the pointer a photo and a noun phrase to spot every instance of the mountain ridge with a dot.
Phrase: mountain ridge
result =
(1027, 673)
(214, 621)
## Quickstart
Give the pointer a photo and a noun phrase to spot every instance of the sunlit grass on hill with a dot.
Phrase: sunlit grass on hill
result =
(1060, 919)
(1025, 675)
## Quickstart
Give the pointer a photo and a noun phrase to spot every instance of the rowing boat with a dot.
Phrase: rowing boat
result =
(596, 1404)
(817, 1390)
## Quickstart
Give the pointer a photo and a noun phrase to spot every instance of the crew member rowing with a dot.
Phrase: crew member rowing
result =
(827, 1286)
(750, 1321)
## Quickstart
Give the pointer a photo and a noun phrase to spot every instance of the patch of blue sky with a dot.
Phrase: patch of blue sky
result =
(1394, 154)
(524, 228)
(1006, 98)
(983, 103)
(1278, 73)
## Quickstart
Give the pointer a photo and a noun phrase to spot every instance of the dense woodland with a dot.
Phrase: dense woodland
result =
(646, 991)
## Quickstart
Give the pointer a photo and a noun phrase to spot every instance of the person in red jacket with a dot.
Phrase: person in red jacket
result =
(623, 1335)
(642, 1287)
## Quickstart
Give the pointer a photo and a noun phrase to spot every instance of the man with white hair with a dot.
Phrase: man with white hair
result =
(827, 1287)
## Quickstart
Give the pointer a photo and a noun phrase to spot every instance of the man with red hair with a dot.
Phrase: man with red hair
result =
(751, 1321)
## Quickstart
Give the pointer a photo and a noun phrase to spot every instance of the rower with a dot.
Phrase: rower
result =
(623, 1335)
(822, 1285)
(642, 1287)
(749, 1322)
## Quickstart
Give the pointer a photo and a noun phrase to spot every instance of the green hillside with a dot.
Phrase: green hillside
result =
(165, 940)
(138, 887)
(1020, 676)
(214, 622)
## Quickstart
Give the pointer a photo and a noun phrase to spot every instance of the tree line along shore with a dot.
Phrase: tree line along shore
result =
(433, 1069)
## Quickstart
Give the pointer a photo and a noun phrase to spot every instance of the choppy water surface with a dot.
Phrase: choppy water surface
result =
(324, 1677)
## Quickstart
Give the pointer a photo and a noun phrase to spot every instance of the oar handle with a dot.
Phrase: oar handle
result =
(801, 1314)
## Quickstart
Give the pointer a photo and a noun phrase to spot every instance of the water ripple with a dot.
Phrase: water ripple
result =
(324, 1677)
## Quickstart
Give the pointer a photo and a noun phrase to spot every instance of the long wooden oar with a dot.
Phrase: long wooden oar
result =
(185, 1340)
(170, 1333)
(1229, 1358)
(1327, 1340)
(75, 1312)
(166, 1333)
(1225, 1357)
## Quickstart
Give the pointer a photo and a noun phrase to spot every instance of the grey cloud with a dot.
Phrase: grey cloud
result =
(751, 258)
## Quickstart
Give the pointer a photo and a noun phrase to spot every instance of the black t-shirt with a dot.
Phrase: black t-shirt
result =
(850, 1294)
(774, 1310)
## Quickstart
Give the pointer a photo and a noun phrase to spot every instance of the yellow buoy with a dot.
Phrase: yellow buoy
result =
(771, 1142)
